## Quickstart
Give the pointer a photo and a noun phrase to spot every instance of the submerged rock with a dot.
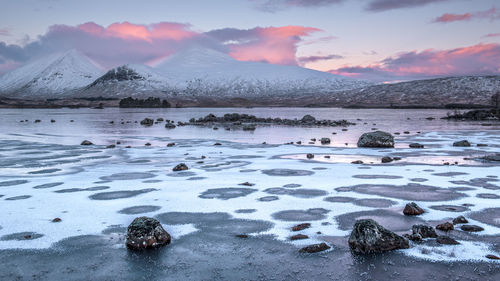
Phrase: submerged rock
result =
(445, 240)
(298, 237)
(412, 209)
(471, 228)
(424, 230)
(376, 139)
(315, 248)
(180, 167)
(416, 145)
(145, 233)
(368, 236)
(462, 143)
(492, 157)
(460, 220)
(301, 226)
(447, 226)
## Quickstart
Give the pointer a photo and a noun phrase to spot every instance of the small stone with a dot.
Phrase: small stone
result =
(357, 162)
(147, 144)
(301, 226)
(57, 220)
(52, 121)
(86, 142)
(460, 220)
(217, 143)
(445, 240)
(310, 156)
(247, 184)
(386, 159)
(492, 257)
(180, 167)
(462, 143)
(147, 122)
(325, 140)
(169, 126)
(249, 128)
(315, 248)
(424, 230)
(471, 228)
(412, 209)
(111, 146)
(299, 237)
(170, 144)
(241, 235)
(447, 226)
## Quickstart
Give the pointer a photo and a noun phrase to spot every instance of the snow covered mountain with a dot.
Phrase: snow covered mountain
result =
(438, 92)
(49, 77)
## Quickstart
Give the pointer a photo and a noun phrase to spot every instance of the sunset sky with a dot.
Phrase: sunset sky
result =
(378, 40)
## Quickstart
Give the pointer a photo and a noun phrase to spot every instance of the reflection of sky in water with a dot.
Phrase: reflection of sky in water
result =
(94, 124)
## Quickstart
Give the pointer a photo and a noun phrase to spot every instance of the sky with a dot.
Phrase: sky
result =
(376, 40)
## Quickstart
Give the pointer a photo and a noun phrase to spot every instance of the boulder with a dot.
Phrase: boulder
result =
(368, 236)
(462, 143)
(413, 237)
(299, 237)
(412, 209)
(471, 228)
(376, 139)
(86, 142)
(145, 233)
(445, 240)
(325, 141)
(447, 226)
(315, 248)
(180, 167)
(460, 220)
(147, 122)
(387, 159)
(424, 230)
(301, 226)
(308, 119)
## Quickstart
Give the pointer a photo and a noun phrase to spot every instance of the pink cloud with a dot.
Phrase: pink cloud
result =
(481, 59)
(490, 35)
(491, 14)
(4, 32)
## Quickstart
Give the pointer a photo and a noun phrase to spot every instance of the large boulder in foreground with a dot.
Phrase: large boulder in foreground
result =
(369, 237)
(376, 139)
(146, 233)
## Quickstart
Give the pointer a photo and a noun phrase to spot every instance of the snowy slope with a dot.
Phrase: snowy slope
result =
(208, 72)
(52, 76)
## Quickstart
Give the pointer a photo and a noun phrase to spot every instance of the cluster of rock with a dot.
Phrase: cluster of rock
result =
(239, 119)
(143, 103)
(475, 115)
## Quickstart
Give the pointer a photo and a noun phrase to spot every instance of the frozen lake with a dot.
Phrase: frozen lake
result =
(96, 191)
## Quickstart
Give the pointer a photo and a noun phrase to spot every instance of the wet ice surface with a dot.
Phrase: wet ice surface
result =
(98, 191)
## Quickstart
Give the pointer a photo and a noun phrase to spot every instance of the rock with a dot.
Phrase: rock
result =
(247, 184)
(445, 240)
(86, 142)
(147, 144)
(368, 237)
(38, 121)
(462, 143)
(471, 228)
(416, 145)
(325, 141)
(126, 74)
(315, 248)
(412, 209)
(170, 144)
(111, 146)
(357, 162)
(180, 167)
(460, 220)
(492, 157)
(445, 226)
(52, 121)
(169, 126)
(249, 128)
(413, 237)
(298, 237)
(376, 139)
(147, 122)
(424, 230)
(217, 143)
(387, 159)
(310, 156)
(57, 220)
(492, 257)
(241, 235)
(301, 226)
(308, 119)
(145, 233)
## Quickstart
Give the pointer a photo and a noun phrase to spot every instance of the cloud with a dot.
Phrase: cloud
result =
(276, 45)
(385, 5)
(310, 59)
(372, 5)
(490, 35)
(491, 14)
(4, 32)
(481, 59)
(121, 43)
